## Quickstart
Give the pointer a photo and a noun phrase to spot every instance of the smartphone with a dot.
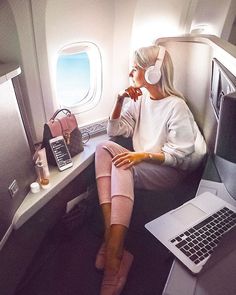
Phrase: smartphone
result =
(61, 152)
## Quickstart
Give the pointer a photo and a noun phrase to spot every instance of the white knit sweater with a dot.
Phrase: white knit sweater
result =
(165, 125)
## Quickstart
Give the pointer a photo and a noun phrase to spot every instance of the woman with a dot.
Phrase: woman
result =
(167, 144)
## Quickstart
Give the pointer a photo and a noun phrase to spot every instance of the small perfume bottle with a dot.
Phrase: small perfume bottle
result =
(42, 178)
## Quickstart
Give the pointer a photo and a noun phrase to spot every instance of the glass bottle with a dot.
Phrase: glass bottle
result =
(42, 178)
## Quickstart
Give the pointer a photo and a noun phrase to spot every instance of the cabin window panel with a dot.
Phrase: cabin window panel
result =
(78, 77)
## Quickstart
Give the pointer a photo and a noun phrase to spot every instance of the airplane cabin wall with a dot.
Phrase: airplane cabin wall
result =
(43, 27)
(31, 87)
(13, 49)
(213, 14)
(10, 49)
(91, 22)
(229, 29)
(122, 36)
(155, 19)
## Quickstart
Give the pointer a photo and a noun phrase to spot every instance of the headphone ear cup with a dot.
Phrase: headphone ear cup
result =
(153, 75)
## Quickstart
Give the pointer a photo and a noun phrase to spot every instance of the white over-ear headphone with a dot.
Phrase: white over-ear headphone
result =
(153, 73)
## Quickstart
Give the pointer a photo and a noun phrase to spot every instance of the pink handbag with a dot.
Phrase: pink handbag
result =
(67, 127)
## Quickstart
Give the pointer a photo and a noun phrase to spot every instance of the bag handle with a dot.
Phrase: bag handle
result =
(58, 111)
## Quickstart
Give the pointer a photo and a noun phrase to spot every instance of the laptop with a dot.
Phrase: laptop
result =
(193, 231)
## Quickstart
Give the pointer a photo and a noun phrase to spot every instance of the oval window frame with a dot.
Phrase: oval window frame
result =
(93, 95)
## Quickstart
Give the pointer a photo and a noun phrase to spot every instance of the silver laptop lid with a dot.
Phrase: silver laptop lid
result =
(191, 232)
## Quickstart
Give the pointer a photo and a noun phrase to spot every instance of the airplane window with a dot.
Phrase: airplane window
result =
(73, 78)
(78, 76)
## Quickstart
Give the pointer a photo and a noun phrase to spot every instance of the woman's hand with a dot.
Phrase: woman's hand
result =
(128, 159)
(132, 92)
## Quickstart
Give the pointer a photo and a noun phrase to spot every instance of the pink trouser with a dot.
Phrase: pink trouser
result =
(116, 185)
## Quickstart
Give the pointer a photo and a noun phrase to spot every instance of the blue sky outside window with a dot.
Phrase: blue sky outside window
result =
(73, 78)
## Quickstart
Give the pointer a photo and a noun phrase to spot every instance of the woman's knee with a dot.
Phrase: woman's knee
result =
(100, 146)
(102, 152)
(109, 147)
(102, 161)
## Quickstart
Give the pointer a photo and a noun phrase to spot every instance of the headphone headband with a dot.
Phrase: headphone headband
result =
(161, 55)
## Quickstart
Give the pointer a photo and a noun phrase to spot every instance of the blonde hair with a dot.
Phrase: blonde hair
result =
(145, 57)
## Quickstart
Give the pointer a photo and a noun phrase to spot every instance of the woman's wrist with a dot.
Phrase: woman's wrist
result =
(159, 157)
(148, 156)
(117, 107)
(120, 99)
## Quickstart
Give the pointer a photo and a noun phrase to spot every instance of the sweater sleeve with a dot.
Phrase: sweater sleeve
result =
(125, 124)
(180, 136)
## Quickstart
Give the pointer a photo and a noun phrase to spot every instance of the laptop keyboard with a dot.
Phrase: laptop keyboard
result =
(198, 242)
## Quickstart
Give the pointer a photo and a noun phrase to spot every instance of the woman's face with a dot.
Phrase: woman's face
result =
(137, 76)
